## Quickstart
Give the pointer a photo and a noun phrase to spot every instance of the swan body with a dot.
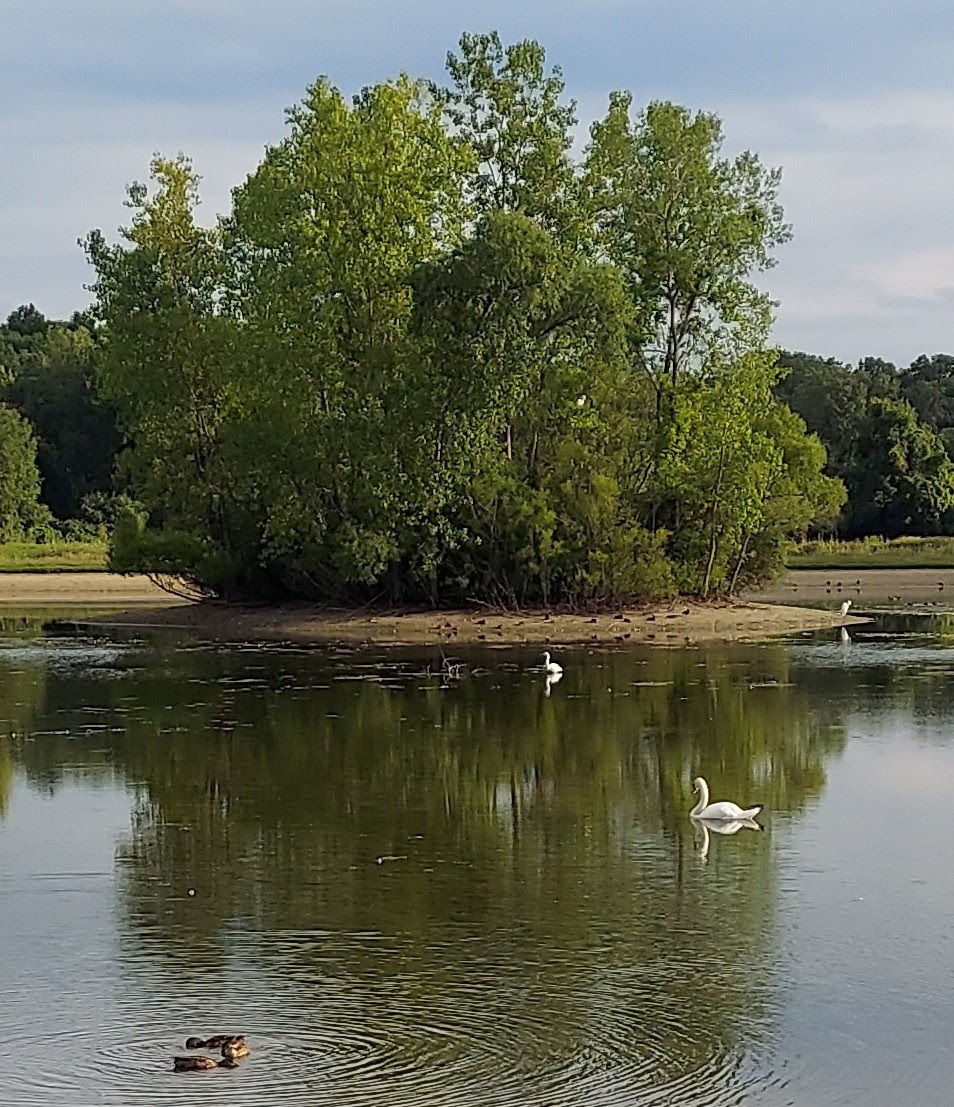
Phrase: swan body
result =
(721, 811)
(844, 607)
(551, 667)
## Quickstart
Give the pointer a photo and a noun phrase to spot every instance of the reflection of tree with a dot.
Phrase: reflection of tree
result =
(6, 775)
(270, 787)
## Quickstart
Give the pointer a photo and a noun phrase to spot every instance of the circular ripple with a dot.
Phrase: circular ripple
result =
(433, 1028)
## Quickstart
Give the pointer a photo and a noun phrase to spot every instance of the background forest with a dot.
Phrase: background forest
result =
(432, 355)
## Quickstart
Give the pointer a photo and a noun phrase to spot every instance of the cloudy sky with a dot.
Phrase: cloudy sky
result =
(854, 99)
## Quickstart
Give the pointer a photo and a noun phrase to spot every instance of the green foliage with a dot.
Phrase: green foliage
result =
(873, 553)
(427, 356)
(892, 456)
(51, 385)
(166, 552)
(685, 227)
(903, 480)
(56, 555)
(508, 109)
(20, 507)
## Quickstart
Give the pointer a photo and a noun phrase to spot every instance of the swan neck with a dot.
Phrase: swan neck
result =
(703, 798)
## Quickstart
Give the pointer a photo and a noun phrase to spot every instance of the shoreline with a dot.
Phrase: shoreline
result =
(135, 602)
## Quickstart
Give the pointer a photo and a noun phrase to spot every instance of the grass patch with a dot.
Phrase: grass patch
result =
(53, 557)
(874, 553)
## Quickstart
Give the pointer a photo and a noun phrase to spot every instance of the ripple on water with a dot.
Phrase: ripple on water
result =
(418, 1034)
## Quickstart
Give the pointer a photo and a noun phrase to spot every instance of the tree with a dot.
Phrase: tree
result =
(419, 360)
(20, 508)
(903, 480)
(325, 237)
(686, 228)
(522, 339)
(510, 111)
(832, 400)
(77, 437)
(928, 386)
(167, 361)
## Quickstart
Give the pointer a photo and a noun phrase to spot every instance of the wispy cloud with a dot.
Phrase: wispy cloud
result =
(851, 99)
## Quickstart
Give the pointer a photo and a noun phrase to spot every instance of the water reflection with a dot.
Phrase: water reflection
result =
(720, 826)
(549, 680)
(405, 885)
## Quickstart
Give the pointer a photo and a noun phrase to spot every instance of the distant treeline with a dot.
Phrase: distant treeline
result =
(59, 440)
(889, 434)
(431, 356)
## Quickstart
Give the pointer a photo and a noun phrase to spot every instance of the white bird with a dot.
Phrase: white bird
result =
(551, 679)
(843, 610)
(551, 666)
(724, 809)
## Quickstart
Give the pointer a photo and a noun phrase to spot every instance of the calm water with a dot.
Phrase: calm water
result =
(408, 890)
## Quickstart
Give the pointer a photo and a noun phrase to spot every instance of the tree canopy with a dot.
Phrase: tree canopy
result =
(431, 355)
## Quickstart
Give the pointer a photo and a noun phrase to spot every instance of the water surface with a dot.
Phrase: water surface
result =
(414, 889)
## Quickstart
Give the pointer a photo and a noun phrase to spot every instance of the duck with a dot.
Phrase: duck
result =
(551, 667)
(724, 809)
(215, 1042)
(191, 1063)
(235, 1049)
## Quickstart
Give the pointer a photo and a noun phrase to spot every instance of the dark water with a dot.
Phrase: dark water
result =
(413, 890)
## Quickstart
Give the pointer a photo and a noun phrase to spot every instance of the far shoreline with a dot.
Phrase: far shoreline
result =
(136, 602)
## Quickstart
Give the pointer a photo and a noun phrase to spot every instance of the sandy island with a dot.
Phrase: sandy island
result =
(140, 603)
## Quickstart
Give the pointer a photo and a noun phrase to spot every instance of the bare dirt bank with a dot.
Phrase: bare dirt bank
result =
(139, 602)
(673, 625)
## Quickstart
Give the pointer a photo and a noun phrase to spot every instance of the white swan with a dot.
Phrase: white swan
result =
(843, 610)
(722, 810)
(551, 667)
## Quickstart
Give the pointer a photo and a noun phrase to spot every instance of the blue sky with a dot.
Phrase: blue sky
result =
(854, 100)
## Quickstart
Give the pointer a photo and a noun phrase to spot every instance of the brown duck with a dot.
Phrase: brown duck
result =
(215, 1042)
(192, 1063)
(235, 1048)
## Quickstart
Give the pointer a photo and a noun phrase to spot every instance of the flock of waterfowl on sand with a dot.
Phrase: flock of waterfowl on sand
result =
(231, 1047)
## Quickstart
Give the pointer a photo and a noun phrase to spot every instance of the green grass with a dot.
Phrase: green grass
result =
(874, 553)
(52, 557)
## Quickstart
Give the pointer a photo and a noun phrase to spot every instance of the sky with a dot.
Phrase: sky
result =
(853, 99)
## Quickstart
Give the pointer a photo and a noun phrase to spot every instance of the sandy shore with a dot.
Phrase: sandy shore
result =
(138, 602)
(89, 589)
(829, 587)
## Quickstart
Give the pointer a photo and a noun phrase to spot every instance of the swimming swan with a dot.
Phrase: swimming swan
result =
(551, 666)
(724, 809)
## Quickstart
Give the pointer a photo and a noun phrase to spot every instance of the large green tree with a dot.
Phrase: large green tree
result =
(326, 235)
(512, 112)
(430, 355)
(687, 228)
(168, 366)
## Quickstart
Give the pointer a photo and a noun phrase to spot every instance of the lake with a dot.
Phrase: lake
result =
(413, 887)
